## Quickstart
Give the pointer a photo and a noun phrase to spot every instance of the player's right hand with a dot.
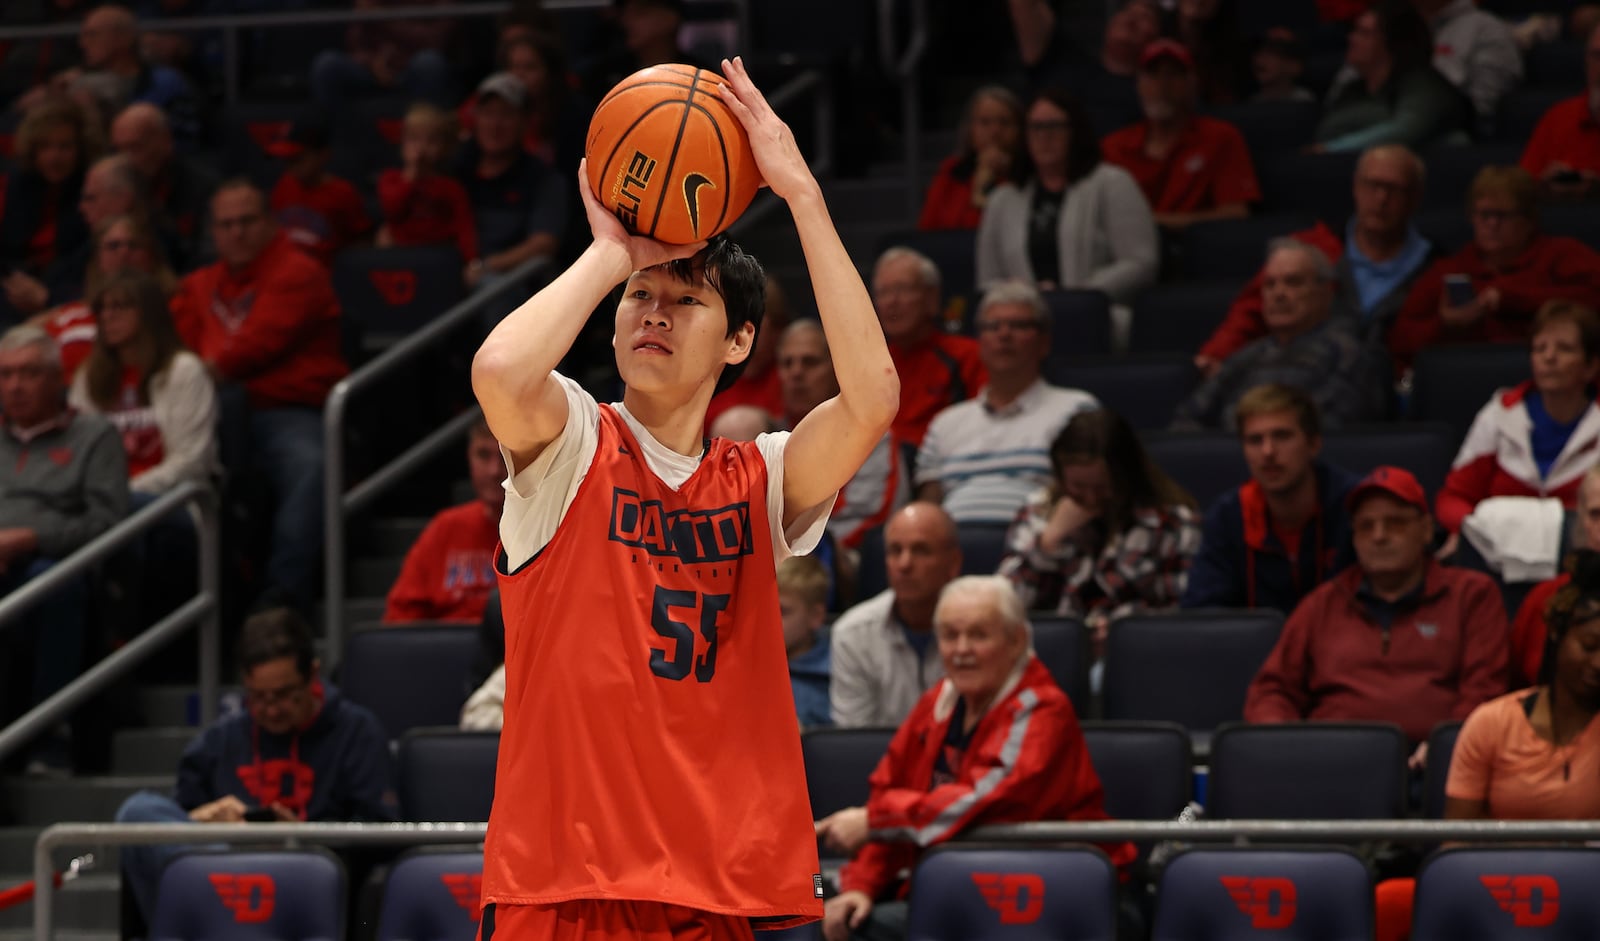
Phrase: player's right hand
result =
(844, 913)
(607, 228)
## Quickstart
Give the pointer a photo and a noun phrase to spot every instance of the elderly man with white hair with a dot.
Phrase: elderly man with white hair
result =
(996, 741)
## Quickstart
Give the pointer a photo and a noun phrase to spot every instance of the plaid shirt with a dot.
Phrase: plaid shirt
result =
(1093, 573)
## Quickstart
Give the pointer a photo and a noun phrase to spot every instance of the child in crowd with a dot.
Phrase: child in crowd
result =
(803, 602)
(1277, 65)
(319, 212)
(422, 206)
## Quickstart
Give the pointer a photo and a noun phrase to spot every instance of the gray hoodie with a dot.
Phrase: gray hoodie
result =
(68, 482)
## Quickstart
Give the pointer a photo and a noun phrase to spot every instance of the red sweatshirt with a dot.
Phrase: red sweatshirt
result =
(273, 325)
(1026, 760)
(1243, 323)
(1436, 661)
(1529, 632)
(427, 211)
(321, 219)
(948, 203)
(449, 572)
(1552, 267)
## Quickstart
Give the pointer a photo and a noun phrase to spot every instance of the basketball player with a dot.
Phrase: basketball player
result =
(649, 781)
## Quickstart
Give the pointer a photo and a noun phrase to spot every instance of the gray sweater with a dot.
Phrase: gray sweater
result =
(68, 484)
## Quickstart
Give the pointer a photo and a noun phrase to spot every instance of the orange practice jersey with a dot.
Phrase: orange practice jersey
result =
(650, 750)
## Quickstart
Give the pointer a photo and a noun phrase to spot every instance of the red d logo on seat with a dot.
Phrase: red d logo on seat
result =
(1532, 901)
(397, 288)
(1268, 900)
(249, 895)
(465, 888)
(1017, 896)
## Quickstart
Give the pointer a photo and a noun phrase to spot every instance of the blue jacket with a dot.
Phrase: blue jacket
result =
(1242, 564)
(808, 674)
(335, 769)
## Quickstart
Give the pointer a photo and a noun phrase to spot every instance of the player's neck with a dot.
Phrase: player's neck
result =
(679, 427)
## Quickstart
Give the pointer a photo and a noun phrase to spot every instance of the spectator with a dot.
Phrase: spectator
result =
(1284, 532)
(1440, 645)
(1305, 347)
(987, 154)
(319, 212)
(265, 317)
(109, 38)
(39, 223)
(518, 204)
(1529, 632)
(422, 206)
(1476, 51)
(803, 602)
(1564, 152)
(1104, 77)
(882, 485)
(1208, 29)
(449, 571)
(995, 742)
(123, 244)
(1381, 256)
(387, 57)
(298, 750)
(32, 69)
(883, 653)
(555, 124)
(65, 482)
(157, 394)
(743, 423)
(936, 369)
(1277, 65)
(984, 457)
(1507, 274)
(1192, 168)
(1074, 221)
(179, 187)
(1111, 535)
(1389, 93)
(1539, 438)
(759, 385)
(649, 36)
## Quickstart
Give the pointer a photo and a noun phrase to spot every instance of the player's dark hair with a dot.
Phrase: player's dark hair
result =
(273, 635)
(738, 279)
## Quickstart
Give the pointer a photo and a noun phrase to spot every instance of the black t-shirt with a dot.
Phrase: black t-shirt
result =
(956, 741)
(507, 209)
(1043, 247)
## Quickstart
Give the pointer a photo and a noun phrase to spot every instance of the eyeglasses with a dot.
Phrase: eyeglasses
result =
(1019, 326)
(899, 289)
(1048, 127)
(272, 697)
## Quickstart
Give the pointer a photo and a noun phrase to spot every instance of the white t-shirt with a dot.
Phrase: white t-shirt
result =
(537, 499)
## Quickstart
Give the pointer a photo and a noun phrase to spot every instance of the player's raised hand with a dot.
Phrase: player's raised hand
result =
(606, 227)
(783, 167)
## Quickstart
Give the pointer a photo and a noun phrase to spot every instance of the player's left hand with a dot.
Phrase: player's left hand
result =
(782, 166)
(844, 831)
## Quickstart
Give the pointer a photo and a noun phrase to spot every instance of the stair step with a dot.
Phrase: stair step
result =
(171, 705)
(90, 903)
(39, 801)
(154, 750)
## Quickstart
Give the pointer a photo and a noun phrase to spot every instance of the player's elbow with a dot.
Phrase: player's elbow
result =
(878, 407)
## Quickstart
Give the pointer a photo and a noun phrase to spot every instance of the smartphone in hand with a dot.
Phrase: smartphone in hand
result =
(1458, 289)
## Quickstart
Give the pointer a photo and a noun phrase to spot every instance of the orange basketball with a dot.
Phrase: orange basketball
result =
(668, 157)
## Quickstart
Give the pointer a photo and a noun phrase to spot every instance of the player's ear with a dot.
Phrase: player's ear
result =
(740, 344)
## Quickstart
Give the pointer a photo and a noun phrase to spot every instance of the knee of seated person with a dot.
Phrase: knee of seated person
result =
(149, 807)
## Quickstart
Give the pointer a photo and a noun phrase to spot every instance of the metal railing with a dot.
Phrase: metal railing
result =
(905, 65)
(78, 835)
(203, 609)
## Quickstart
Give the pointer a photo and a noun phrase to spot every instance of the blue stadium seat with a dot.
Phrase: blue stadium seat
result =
(273, 895)
(1146, 769)
(1272, 127)
(1064, 893)
(1236, 893)
(1447, 227)
(872, 576)
(1236, 248)
(1188, 667)
(1145, 389)
(1483, 893)
(1425, 448)
(1307, 771)
(445, 774)
(1208, 464)
(1179, 318)
(432, 895)
(1451, 383)
(1062, 645)
(1441, 747)
(1521, 109)
(1452, 167)
(386, 293)
(1320, 184)
(1576, 222)
(1557, 64)
(954, 252)
(248, 127)
(366, 139)
(1080, 323)
(983, 545)
(838, 762)
(409, 675)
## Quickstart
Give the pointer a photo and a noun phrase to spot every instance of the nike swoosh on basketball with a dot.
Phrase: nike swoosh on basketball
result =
(691, 197)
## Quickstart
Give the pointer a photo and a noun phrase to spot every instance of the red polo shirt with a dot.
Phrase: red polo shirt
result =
(939, 372)
(1569, 134)
(1210, 166)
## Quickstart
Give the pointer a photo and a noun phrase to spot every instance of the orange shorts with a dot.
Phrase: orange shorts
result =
(609, 920)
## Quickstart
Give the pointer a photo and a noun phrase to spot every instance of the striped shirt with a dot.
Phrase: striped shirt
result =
(988, 460)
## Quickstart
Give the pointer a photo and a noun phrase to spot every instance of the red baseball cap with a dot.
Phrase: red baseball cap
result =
(1394, 481)
(1166, 49)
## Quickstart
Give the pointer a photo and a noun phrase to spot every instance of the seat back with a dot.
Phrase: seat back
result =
(872, 573)
(838, 763)
(1508, 893)
(1013, 894)
(409, 675)
(432, 896)
(1451, 383)
(264, 895)
(1146, 769)
(447, 775)
(954, 252)
(1318, 184)
(1081, 320)
(386, 293)
(983, 545)
(1062, 645)
(1145, 390)
(1188, 667)
(1441, 748)
(1179, 318)
(1287, 894)
(1237, 248)
(1424, 448)
(1307, 771)
(1207, 464)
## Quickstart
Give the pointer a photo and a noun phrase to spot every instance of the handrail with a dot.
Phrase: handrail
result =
(1099, 831)
(203, 607)
(337, 504)
(904, 65)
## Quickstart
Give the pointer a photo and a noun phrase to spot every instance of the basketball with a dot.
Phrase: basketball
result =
(668, 156)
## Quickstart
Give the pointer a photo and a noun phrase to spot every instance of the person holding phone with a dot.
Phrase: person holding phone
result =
(1563, 153)
(1490, 291)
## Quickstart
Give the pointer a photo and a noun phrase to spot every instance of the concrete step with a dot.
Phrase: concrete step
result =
(89, 903)
(154, 750)
(40, 801)
(164, 705)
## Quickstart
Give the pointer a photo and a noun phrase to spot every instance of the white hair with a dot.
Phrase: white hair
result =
(25, 335)
(1319, 259)
(997, 592)
(927, 271)
(1020, 293)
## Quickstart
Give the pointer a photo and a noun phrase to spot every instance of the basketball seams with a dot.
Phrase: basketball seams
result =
(672, 156)
(607, 168)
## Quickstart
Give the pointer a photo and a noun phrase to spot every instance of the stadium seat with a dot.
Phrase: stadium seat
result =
(446, 774)
(1484, 893)
(409, 675)
(273, 895)
(1319, 184)
(838, 762)
(1307, 771)
(1080, 323)
(1289, 894)
(366, 139)
(432, 895)
(954, 252)
(1441, 747)
(1521, 109)
(1576, 222)
(872, 575)
(1557, 64)
(1061, 893)
(1257, 16)
(386, 293)
(1272, 127)
(1424, 448)
(983, 545)
(1207, 464)
(1236, 248)
(1447, 227)
(1145, 390)
(248, 127)
(1062, 645)
(1146, 769)
(1452, 168)
(1179, 318)
(1188, 667)
(1450, 384)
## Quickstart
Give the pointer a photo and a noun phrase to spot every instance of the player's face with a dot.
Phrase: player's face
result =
(487, 469)
(672, 336)
(977, 649)
(279, 696)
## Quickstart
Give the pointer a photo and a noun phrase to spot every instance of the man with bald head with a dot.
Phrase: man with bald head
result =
(109, 38)
(179, 188)
(884, 657)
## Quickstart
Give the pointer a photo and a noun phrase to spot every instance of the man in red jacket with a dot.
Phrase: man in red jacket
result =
(1397, 638)
(265, 318)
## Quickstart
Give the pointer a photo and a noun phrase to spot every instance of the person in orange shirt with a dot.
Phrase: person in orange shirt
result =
(650, 784)
(937, 369)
